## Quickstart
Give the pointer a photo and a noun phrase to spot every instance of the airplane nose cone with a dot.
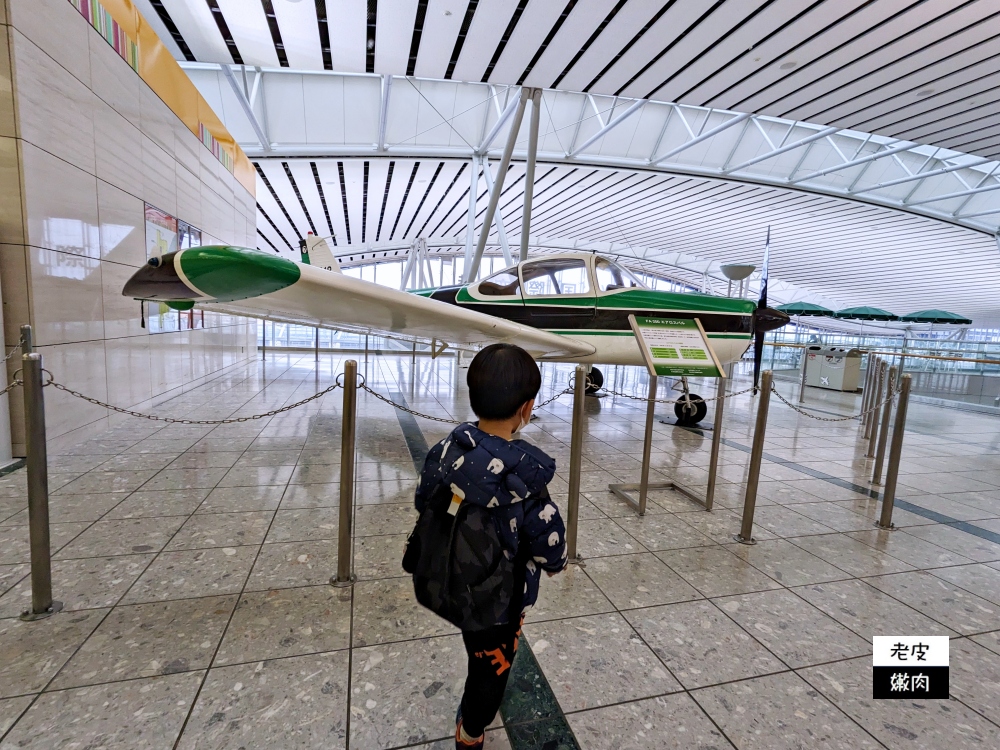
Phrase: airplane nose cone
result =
(767, 319)
(158, 280)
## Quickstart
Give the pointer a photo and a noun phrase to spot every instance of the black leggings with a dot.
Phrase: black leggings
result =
(491, 653)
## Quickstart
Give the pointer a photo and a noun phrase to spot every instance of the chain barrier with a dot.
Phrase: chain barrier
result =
(804, 413)
(15, 350)
(171, 420)
(364, 386)
(13, 384)
(681, 400)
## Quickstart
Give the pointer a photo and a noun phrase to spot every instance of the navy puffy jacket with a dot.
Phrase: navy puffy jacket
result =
(509, 477)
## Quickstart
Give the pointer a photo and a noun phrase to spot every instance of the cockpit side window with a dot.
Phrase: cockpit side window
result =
(501, 284)
(556, 276)
(611, 276)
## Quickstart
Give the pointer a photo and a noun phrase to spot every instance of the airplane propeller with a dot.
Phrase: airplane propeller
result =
(764, 318)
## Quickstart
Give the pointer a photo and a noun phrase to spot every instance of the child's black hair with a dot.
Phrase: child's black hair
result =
(502, 377)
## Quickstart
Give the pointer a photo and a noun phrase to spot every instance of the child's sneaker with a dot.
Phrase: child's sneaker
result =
(462, 740)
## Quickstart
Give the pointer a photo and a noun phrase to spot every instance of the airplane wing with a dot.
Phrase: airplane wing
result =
(247, 282)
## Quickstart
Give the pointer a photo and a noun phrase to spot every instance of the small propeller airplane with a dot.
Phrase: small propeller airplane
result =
(571, 307)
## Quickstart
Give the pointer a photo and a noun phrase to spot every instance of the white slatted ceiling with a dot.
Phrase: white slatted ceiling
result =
(895, 67)
(195, 23)
(848, 252)
(437, 40)
(530, 32)
(248, 25)
(582, 21)
(394, 29)
(302, 172)
(348, 24)
(299, 34)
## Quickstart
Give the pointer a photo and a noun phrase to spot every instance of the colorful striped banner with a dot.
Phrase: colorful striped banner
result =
(107, 27)
(215, 147)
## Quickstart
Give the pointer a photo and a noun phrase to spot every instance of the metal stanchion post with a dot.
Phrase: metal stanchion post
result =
(366, 348)
(872, 424)
(345, 575)
(883, 434)
(647, 445)
(413, 357)
(756, 454)
(575, 459)
(895, 452)
(26, 341)
(802, 375)
(713, 461)
(38, 491)
(866, 394)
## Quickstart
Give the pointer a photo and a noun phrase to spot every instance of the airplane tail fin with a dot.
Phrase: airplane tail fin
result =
(317, 253)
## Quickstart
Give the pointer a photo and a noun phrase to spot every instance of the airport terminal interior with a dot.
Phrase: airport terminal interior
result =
(251, 251)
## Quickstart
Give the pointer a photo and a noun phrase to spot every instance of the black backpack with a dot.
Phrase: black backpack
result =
(458, 564)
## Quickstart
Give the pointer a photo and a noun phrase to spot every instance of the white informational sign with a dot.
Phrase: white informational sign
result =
(910, 666)
(675, 347)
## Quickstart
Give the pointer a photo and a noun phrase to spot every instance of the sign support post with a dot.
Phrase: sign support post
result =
(678, 348)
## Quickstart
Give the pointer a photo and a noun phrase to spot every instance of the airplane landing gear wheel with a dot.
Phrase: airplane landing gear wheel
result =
(596, 378)
(690, 414)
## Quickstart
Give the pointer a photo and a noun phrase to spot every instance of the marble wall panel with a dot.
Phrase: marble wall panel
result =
(189, 206)
(86, 145)
(16, 295)
(114, 81)
(187, 148)
(157, 120)
(57, 28)
(55, 110)
(11, 216)
(66, 296)
(116, 142)
(159, 179)
(60, 203)
(8, 125)
(122, 225)
(121, 314)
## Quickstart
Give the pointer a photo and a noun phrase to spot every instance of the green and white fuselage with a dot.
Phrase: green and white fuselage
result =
(571, 307)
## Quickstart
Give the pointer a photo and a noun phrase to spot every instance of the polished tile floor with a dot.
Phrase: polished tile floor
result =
(193, 563)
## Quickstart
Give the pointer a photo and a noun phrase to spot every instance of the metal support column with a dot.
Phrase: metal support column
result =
(883, 435)
(895, 452)
(470, 223)
(756, 454)
(317, 344)
(508, 150)
(38, 491)
(508, 259)
(529, 170)
(349, 418)
(575, 459)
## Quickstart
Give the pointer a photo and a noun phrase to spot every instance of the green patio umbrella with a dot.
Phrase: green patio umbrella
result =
(804, 308)
(865, 313)
(936, 316)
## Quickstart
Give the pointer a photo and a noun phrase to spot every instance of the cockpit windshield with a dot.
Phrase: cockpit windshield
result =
(611, 276)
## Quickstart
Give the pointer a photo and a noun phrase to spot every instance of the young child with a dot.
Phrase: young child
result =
(481, 464)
